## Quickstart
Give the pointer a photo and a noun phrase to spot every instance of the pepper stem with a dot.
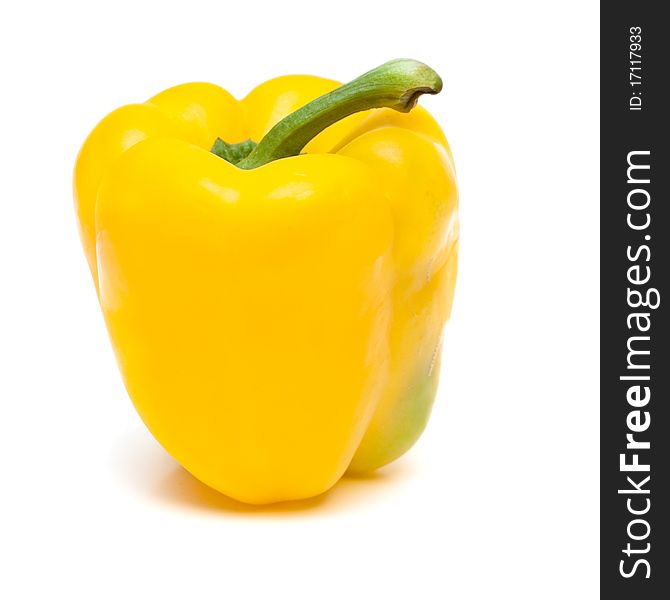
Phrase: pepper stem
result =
(233, 153)
(396, 84)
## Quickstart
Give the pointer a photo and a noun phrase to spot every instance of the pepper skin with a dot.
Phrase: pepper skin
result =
(277, 326)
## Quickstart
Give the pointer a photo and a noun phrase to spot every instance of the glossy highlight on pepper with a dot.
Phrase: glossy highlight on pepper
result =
(275, 272)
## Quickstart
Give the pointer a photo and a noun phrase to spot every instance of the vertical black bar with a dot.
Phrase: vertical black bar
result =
(635, 270)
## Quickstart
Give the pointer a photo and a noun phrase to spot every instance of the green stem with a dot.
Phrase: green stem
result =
(233, 153)
(396, 84)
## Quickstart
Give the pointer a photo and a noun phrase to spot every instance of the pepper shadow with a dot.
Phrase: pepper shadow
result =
(140, 464)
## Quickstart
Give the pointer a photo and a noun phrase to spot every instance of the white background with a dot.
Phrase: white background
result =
(498, 499)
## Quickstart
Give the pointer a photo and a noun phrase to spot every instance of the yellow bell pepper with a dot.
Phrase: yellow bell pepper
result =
(276, 309)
